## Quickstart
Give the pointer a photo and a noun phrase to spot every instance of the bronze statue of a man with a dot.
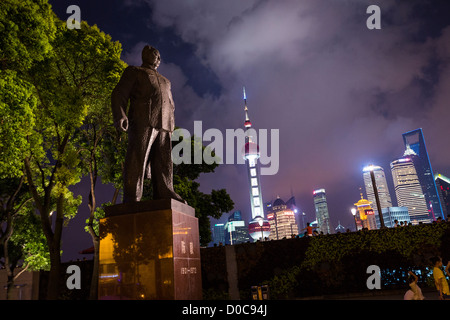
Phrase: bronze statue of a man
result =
(150, 123)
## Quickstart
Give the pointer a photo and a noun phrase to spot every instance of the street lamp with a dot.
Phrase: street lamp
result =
(353, 210)
(375, 192)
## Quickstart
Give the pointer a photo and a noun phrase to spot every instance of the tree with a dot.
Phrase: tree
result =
(12, 199)
(27, 28)
(26, 246)
(93, 138)
(71, 86)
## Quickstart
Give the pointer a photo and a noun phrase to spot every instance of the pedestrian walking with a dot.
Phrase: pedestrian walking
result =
(439, 278)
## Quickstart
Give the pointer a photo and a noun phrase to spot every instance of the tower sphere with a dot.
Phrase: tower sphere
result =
(250, 150)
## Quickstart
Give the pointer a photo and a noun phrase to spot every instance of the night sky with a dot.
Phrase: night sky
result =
(340, 94)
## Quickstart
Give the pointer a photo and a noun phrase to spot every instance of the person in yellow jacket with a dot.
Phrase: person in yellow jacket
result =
(439, 278)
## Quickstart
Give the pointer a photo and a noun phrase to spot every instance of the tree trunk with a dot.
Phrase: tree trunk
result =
(55, 274)
(116, 194)
(54, 244)
(9, 271)
(9, 286)
(93, 294)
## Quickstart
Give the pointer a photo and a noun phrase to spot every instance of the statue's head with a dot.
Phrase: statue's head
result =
(151, 57)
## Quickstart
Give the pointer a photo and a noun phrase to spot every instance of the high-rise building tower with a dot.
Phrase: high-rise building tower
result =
(443, 186)
(381, 184)
(235, 229)
(282, 221)
(219, 233)
(408, 189)
(322, 215)
(415, 140)
(258, 227)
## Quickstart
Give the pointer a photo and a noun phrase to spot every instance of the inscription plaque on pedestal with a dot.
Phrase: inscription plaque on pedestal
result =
(150, 250)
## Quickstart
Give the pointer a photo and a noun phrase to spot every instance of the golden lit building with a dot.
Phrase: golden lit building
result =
(366, 213)
(282, 221)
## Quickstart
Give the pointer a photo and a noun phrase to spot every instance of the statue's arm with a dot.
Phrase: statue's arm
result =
(120, 97)
(170, 95)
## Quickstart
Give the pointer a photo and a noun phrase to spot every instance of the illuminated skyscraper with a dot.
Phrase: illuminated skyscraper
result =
(322, 215)
(282, 221)
(408, 189)
(235, 229)
(258, 227)
(415, 140)
(219, 233)
(443, 186)
(381, 184)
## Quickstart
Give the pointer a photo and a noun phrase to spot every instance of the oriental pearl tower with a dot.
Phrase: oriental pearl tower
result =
(258, 227)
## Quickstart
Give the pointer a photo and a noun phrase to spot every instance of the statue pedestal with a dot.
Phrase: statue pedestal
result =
(150, 250)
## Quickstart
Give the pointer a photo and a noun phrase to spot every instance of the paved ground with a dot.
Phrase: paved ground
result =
(428, 293)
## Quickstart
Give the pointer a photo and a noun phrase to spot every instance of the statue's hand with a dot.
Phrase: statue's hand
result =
(123, 124)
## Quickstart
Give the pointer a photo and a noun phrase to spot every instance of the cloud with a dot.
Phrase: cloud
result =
(340, 94)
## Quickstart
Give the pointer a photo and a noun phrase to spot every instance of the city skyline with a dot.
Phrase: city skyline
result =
(408, 191)
(340, 94)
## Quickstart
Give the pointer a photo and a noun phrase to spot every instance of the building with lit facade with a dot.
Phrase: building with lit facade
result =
(381, 184)
(408, 188)
(258, 227)
(390, 214)
(322, 215)
(235, 230)
(443, 186)
(282, 221)
(366, 214)
(219, 233)
(415, 140)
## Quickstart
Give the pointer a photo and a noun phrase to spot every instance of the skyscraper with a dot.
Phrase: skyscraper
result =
(322, 215)
(408, 189)
(258, 227)
(235, 229)
(219, 233)
(443, 186)
(282, 221)
(415, 140)
(381, 184)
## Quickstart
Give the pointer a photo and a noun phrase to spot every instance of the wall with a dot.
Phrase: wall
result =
(326, 264)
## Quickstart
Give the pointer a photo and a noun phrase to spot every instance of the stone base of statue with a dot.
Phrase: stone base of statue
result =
(150, 250)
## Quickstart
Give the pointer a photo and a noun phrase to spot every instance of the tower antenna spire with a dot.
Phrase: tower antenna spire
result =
(247, 123)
